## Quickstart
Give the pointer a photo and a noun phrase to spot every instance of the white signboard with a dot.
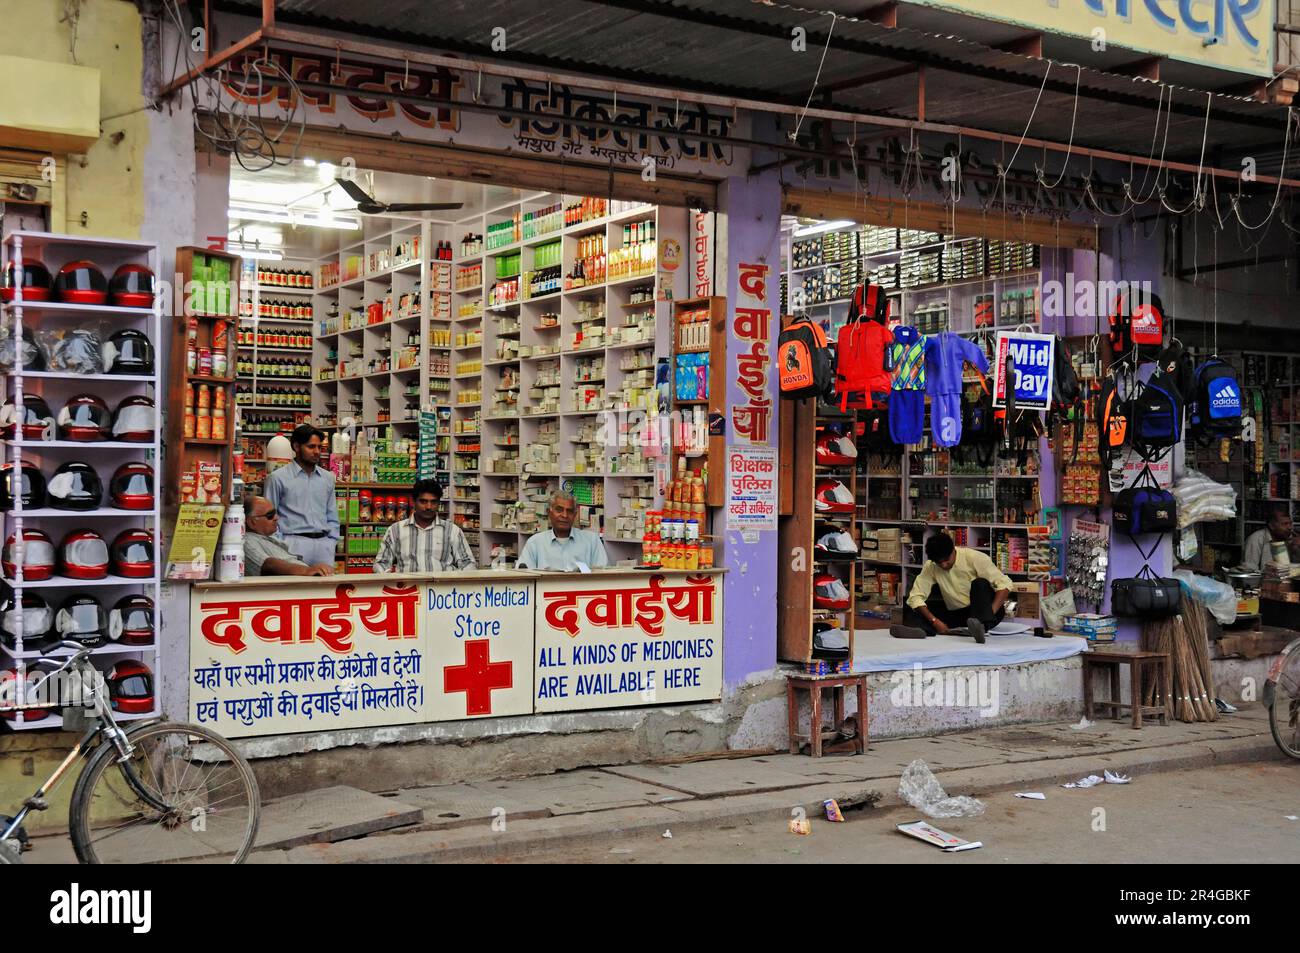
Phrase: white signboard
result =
(1033, 359)
(480, 638)
(1162, 470)
(623, 642)
(751, 488)
(306, 657)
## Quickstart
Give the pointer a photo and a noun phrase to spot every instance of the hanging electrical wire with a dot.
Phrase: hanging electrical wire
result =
(1069, 146)
(1277, 194)
(794, 136)
(240, 128)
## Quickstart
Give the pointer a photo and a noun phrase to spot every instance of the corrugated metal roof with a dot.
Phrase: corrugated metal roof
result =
(743, 48)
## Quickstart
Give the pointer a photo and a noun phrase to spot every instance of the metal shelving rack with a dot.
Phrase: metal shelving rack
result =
(106, 456)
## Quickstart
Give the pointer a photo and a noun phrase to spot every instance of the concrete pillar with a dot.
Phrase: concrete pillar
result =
(748, 233)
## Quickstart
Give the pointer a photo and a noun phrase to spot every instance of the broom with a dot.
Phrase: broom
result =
(1198, 636)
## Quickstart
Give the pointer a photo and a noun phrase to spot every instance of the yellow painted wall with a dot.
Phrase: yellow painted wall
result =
(107, 183)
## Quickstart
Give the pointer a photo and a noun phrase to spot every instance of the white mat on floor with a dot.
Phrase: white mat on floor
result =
(875, 650)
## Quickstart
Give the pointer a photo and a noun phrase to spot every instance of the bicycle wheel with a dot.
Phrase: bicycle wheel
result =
(184, 796)
(1284, 723)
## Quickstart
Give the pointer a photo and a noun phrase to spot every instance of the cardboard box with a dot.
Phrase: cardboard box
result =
(1027, 596)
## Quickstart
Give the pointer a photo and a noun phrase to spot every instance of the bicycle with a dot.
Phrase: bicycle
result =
(181, 793)
(1282, 698)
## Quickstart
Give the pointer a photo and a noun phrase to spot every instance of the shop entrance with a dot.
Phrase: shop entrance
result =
(506, 342)
(866, 511)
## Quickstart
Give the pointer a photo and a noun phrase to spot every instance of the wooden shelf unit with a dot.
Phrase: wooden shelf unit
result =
(184, 453)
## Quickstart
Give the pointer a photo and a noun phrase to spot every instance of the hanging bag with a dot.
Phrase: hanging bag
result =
(861, 349)
(1145, 596)
(803, 361)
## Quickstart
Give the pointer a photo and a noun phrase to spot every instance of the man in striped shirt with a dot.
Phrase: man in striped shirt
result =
(423, 542)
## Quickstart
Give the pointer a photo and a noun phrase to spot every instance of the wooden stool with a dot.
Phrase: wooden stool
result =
(814, 685)
(1140, 664)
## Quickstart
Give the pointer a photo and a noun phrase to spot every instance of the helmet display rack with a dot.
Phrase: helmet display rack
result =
(57, 387)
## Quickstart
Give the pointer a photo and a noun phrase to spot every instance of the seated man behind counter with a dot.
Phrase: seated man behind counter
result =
(264, 553)
(562, 547)
(423, 542)
(960, 591)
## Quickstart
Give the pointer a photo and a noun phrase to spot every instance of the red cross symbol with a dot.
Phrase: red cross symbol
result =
(477, 677)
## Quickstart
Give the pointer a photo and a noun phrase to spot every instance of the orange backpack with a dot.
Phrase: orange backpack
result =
(803, 360)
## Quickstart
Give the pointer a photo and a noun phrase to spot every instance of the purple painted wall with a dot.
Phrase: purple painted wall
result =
(1123, 259)
(749, 231)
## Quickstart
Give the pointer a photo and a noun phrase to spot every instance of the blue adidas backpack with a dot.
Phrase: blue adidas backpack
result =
(1215, 410)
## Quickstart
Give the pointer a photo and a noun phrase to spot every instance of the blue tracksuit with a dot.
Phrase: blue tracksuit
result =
(946, 355)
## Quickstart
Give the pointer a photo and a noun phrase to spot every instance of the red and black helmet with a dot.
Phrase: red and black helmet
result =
(36, 281)
(131, 622)
(83, 554)
(9, 695)
(37, 620)
(38, 421)
(132, 554)
(38, 556)
(131, 487)
(32, 489)
(128, 352)
(82, 619)
(85, 417)
(80, 282)
(131, 287)
(134, 419)
(75, 486)
(130, 687)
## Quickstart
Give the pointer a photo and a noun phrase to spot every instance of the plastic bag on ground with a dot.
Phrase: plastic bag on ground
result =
(1219, 597)
(921, 789)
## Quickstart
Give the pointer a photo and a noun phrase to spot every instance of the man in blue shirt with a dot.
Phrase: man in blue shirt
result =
(562, 547)
(303, 494)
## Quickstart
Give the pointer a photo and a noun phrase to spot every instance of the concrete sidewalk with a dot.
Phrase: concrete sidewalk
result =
(522, 818)
(528, 817)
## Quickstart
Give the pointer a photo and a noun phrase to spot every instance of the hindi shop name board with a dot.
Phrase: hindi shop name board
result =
(480, 648)
(753, 415)
(533, 117)
(306, 658)
(1033, 358)
(627, 642)
(751, 488)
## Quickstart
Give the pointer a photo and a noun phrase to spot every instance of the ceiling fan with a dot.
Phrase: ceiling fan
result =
(368, 205)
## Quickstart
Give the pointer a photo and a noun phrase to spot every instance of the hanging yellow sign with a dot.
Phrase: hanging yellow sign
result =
(1225, 34)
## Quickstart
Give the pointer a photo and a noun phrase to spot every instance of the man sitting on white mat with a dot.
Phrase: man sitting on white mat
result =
(960, 592)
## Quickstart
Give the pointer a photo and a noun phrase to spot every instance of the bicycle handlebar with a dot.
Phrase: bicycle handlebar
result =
(80, 653)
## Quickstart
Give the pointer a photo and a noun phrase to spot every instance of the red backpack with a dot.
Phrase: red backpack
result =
(861, 348)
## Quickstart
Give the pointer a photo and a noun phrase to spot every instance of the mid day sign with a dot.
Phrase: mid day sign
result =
(1032, 358)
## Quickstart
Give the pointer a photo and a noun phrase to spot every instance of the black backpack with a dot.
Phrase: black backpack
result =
(979, 429)
(874, 438)
(1067, 396)
(1175, 362)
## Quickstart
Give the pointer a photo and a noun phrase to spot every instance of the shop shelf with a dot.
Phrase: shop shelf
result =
(304, 351)
(64, 375)
(47, 512)
(114, 648)
(63, 582)
(88, 310)
(80, 444)
(279, 289)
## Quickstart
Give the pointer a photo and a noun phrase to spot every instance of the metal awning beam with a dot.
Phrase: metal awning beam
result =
(338, 44)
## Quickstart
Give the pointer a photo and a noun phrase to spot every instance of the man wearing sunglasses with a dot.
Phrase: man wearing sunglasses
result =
(264, 553)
